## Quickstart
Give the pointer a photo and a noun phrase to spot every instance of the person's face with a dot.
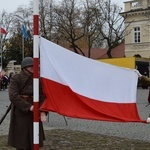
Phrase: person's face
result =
(29, 69)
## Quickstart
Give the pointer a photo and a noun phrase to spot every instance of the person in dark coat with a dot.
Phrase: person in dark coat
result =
(21, 96)
(4, 82)
(0, 83)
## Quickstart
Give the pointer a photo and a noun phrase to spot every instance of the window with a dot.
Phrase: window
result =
(137, 37)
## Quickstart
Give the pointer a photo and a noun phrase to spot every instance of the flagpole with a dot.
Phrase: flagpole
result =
(36, 74)
(23, 22)
(22, 47)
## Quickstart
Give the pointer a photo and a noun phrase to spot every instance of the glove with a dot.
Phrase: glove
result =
(138, 73)
(148, 119)
(43, 117)
(32, 108)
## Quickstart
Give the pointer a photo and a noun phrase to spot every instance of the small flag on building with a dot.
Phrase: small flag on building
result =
(3, 31)
(24, 32)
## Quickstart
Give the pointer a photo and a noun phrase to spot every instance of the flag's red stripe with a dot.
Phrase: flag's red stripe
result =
(36, 24)
(3, 31)
(63, 100)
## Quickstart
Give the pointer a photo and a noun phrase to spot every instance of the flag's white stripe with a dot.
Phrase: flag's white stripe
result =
(87, 77)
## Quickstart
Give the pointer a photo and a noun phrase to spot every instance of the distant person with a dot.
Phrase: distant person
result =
(145, 74)
(145, 81)
(10, 75)
(21, 96)
(4, 82)
(0, 84)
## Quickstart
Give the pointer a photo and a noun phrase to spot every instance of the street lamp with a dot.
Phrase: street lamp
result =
(22, 21)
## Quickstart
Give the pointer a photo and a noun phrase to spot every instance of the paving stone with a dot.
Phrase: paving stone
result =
(137, 131)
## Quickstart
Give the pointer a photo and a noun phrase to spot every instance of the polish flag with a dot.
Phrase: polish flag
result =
(80, 87)
(3, 31)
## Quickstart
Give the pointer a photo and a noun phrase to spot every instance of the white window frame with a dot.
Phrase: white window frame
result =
(137, 34)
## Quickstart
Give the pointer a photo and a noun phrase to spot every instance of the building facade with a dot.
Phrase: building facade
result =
(137, 20)
(12, 68)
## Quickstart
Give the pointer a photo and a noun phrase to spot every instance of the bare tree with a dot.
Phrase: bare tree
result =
(69, 23)
(47, 18)
(6, 20)
(92, 20)
(5, 23)
(14, 43)
(113, 30)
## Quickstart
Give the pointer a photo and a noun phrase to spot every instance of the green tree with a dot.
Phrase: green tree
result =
(13, 50)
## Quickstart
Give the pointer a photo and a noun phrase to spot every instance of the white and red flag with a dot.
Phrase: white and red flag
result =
(80, 87)
(3, 31)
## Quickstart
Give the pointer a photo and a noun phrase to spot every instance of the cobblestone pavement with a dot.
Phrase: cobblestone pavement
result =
(137, 131)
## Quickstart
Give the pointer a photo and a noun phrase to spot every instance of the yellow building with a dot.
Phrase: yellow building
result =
(137, 18)
(141, 64)
(129, 62)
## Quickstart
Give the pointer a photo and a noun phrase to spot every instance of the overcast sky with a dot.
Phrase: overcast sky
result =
(11, 5)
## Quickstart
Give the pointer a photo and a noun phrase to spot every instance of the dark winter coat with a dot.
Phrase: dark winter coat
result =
(21, 123)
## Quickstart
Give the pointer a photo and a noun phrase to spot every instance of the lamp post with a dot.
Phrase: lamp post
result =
(23, 22)
(22, 47)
